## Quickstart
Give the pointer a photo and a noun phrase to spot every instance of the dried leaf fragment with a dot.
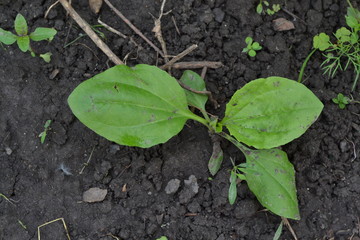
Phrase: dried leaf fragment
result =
(281, 24)
(95, 5)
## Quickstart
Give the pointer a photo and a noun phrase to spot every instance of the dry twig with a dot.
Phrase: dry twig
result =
(179, 56)
(195, 65)
(135, 29)
(85, 26)
(158, 33)
(287, 223)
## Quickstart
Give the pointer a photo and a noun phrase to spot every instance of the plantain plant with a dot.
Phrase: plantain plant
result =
(144, 106)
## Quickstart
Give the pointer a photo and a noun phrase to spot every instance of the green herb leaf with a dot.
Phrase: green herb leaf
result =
(41, 33)
(140, 106)
(46, 56)
(259, 8)
(278, 231)
(248, 40)
(343, 34)
(269, 112)
(252, 53)
(215, 159)
(271, 177)
(194, 81)
(233, 188)
(20, 25)
(256, 46)
(23, 43)
(321, 42)
(7, 37)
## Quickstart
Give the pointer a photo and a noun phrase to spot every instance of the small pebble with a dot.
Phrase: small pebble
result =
(94, 195)
(172, 186)
(8, 151)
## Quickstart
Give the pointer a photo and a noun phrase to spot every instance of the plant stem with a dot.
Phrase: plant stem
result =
(355, 81)
(304, 65)
(348, 1)
(240, 146)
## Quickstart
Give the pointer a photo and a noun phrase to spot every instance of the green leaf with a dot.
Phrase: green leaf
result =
(343, 34)
(259, 8)
(352, 22)
(271, 177)
(41, 33)
(162, 238)
(194, 81)
(321, 42)
(23, 43)
(252, 53)
(20, 25)
(256, 46)
(7, 37)
(46, 56)
(233, 188)
(216, 158)
(248, 40)
(278, 231)
(139, 106)
(269, 112)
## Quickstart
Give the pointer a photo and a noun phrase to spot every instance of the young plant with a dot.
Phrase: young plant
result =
(22, 37)
(344, 52)
(260, 8)
(43, 134)
(144, 106)
(252, 47)
(341, 100)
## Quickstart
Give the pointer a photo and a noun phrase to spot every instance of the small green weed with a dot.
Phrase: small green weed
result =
(342, 100)
(342, 53)
(162, 238)
(252, 47)
(43, 134)
(264, 7)
(22, 37)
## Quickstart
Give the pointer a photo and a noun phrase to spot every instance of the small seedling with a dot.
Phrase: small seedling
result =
(43, 134)
(144, 106)
(162, 238)
(341, 100)
(342, 53)
(252, 47)
(22, 37)
(264, 7)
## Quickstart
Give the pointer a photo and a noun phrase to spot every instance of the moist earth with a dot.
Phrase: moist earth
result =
(44, 182)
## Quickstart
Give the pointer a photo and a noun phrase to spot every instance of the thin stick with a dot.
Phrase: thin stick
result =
(135, 29)
(176, 27)
(195, 65)
(287, 223)
(113, 30)
(51, 6)
(203, 72)
(158, 33)
(87, 162)
(179, 56)
(85, 26)
(58, 219)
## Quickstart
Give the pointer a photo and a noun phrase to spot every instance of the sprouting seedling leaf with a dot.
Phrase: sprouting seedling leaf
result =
(23, 43)
(162, 238)
(259, 8)
(248, 40)
(343, 34)
(46, 56)
(216, 158)
(278, 231)
(195, 82)
(7, 37)
(20, 25)
(233, 188)
(321, 42)
(41, 33)
(341, 101)
(43, 134)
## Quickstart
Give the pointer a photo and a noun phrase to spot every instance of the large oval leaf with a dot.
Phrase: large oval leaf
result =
(271, 177)
(140, 106)
(269, 112)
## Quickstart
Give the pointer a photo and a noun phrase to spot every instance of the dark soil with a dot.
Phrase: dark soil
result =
(327, 170)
